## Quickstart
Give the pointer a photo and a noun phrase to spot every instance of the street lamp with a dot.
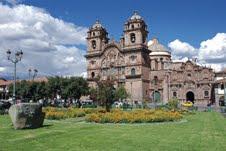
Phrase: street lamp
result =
(17, 57)
(224, 82)
(34, 74)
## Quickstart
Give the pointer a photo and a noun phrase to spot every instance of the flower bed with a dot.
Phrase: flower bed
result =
(63, 113)
(115, 116)
(137, 116)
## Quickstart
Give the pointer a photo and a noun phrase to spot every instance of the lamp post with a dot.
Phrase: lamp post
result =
(17, 57)
(29, 73)
(34, 74)
(224, 90)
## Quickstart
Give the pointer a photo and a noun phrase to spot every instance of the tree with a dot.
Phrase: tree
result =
(75, 88)
(22, 89)
(30, 90)
(121, 93)
(106, 93)
(55, 86)
(93, 94)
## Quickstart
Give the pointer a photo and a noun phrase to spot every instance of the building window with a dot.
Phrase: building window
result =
(133, 57)
(189, 75)
(93, 33)
(92, 62)
(123, 70)
(132, 37)
(222, 86)
(175, 94)
(92, 74)
(180, 85)
(133, 72)
(132, 26)
(206, 93)
(144, 39)
(94, 44)
(155, 80)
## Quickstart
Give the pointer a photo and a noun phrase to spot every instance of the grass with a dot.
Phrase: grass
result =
(202, 131)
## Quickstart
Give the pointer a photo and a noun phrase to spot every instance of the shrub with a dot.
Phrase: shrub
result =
(137, 116)
(89, 106)
(173, 103)
(62, 113)
(2, 111)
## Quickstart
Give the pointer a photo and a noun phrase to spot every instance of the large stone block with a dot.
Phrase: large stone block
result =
(26, 115)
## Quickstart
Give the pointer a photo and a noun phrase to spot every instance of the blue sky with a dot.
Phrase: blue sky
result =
(188, 20)
(52, 32)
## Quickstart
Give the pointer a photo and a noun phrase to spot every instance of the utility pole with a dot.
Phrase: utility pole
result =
(17, 57)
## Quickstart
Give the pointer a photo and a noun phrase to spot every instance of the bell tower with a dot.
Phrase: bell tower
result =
(135, 31)
(134, 43)
(97, 37)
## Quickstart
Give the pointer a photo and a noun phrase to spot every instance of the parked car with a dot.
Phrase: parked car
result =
(88, 104)
(118, 104)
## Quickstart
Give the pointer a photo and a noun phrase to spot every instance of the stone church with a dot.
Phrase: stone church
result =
(146, 71)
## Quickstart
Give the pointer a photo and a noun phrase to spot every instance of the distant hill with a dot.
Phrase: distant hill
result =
(9, 76)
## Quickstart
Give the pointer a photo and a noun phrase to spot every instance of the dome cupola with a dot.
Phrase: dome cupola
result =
(136, 16)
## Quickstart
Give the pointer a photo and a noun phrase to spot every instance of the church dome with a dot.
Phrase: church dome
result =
(157, 48)
(135, 16)
(97, 25)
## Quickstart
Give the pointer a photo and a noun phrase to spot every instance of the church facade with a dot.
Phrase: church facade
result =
(146, 71)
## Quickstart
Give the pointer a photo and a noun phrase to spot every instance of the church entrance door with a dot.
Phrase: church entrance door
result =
(190, 96)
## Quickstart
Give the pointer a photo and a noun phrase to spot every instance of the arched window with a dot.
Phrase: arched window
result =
(94, 44)
(92, 74)
(175, 94)
(132, 26)
(132, 37)
(161, 63)
(155, 80)
(133, 72)
(93, 33)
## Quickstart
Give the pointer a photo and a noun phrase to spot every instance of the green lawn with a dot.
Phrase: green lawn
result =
(202, 131)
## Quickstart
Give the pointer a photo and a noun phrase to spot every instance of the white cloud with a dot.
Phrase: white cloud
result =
(2, 69)
(214, 50)
(49, 44)
(181, 49)
(211, 53)
(84, 75)
(179, 59)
